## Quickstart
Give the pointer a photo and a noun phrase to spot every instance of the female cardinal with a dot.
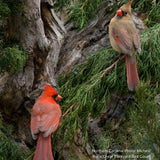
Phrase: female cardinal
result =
(45, 118)
(124, 39)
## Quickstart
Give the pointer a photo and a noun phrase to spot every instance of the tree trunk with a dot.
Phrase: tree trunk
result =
(41, 33)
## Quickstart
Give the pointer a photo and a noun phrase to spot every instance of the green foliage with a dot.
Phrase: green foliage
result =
(12, 56)
(81, 11)
(8, 7)
(8, 149)
(4, 10)
(151, 9)
(139, 129)
(12, 59)
(62, 3)
(153, 15)
(89, 86)
(104, 142)
(148, 60)
(85, 83)
(14, 5)
(144, 119)
(143, 5)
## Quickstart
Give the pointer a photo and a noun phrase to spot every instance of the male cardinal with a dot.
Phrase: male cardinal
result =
(45, 118)
(124, 39)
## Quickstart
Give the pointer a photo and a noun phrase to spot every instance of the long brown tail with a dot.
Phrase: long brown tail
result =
(43, 148)
(132, 74)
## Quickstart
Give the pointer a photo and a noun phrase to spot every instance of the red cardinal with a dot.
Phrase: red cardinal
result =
(124, 39)
(45, 118)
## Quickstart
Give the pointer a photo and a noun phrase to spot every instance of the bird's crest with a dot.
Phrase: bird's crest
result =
(127, 7)
(129, 3)
(49, 89)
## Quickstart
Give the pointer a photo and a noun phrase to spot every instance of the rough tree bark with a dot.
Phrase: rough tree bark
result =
(41, 33)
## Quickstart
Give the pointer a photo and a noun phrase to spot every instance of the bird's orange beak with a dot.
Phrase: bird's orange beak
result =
(119, 13)
(58, 98)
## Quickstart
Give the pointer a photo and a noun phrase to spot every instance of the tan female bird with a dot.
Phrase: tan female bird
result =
(124, 39)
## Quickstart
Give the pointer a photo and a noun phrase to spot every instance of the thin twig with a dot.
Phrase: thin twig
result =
(68, 110)
(29, 157)
(84, 3)
(106, 70)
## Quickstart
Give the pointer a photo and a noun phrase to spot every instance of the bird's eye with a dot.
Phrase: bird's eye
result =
(124, 13)
(54, 97)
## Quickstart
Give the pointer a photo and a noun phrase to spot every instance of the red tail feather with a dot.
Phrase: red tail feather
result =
(43, 148)
(132, 74)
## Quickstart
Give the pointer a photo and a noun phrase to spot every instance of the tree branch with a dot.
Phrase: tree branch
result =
(69, 109)
(84, 3)
(106, 70)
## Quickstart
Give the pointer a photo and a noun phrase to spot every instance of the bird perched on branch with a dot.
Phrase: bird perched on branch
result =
(124, 39)
(45, 118)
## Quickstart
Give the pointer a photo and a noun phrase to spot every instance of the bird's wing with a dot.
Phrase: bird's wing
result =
(46, 119)
(137, 43)
(123, 39)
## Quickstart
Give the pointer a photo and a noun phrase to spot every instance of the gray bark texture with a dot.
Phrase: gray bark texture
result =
(41, 32)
